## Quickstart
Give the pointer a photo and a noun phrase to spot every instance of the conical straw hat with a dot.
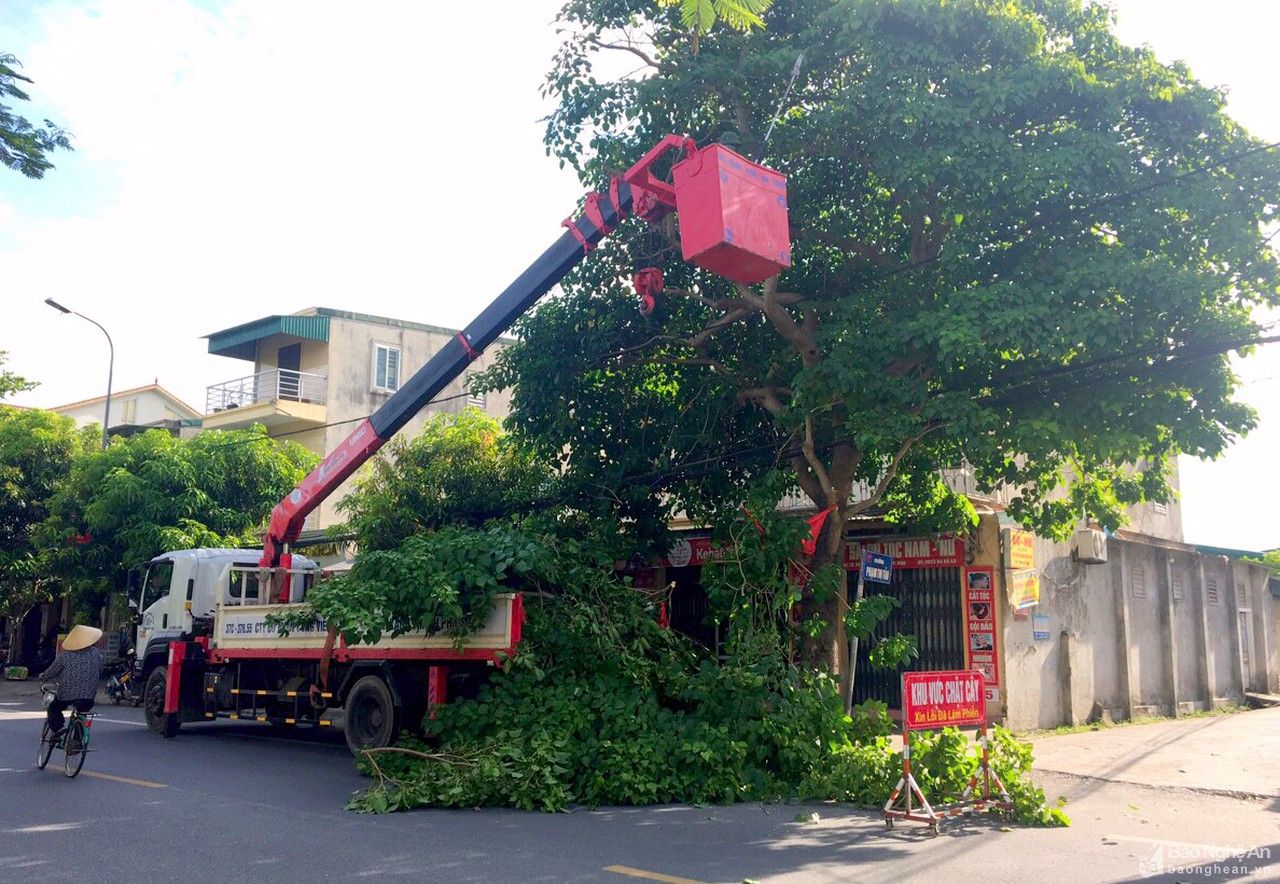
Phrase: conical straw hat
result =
(81, 637)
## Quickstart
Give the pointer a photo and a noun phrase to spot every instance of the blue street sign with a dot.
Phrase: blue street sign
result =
(877, 568)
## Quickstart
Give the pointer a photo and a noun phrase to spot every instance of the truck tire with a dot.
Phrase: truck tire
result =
(370, 719)
(153, 705)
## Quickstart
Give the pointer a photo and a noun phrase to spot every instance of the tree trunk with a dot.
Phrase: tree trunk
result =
(829, 650)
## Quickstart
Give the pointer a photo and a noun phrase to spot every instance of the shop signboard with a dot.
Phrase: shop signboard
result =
(909, 552)
(981, 637)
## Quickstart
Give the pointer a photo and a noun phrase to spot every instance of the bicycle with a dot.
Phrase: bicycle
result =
(73, 741)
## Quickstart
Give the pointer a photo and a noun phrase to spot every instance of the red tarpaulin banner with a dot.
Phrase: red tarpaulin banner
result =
(942, 699)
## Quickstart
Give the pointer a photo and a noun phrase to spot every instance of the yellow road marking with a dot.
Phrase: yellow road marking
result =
(127, 780)
(650, 876)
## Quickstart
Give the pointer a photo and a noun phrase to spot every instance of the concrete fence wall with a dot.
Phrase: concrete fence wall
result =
(1158, 629)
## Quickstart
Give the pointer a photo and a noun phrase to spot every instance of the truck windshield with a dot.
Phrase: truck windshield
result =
(159, 576)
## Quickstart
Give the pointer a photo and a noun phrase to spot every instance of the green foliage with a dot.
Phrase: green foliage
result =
(152, 492)
(442, 580)
(460, 469)
(1270, 559)
(11, 383)
(700, 16)
(1011, 759)
(602, 707)
(23, 147)
(37, 450)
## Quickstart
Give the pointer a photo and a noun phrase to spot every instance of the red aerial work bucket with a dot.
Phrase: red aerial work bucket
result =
(733, 215)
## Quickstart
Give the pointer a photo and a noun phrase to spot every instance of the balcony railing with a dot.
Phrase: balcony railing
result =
(271, 385)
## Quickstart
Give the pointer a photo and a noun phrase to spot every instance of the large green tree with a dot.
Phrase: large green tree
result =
(24, 147)
(153, 492)
(37, 450)
(460, 470)
(1019, 247)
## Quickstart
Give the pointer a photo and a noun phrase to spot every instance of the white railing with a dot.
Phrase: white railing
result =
(271, 385)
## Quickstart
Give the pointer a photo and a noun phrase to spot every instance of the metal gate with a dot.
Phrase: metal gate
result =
(931, 610)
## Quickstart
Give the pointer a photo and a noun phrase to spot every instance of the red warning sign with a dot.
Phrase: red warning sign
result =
(951, 698)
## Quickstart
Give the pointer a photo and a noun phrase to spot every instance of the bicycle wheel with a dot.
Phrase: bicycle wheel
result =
(46, 747)
(75, 748)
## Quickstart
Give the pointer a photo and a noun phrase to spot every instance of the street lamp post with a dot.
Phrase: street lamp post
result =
(111, 364)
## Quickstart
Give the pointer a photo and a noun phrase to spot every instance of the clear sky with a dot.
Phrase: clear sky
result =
(236, 158)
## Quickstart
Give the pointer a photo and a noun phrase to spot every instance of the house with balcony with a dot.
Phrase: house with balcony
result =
(311, 376)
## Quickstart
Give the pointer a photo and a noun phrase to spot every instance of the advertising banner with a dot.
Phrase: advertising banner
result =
(1024, 589)
(981, 652)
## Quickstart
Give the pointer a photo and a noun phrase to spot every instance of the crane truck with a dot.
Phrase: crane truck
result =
(206, 647)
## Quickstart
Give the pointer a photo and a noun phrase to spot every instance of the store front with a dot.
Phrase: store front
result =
(927, 580)
(930, 579)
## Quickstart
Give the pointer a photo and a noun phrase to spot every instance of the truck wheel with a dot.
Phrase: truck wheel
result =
(153, 705)
(369, 715)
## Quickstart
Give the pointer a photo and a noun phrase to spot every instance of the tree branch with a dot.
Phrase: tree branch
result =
(889, 473)
(811, 456)
(626, 47)
(769, 398)
(770, 305)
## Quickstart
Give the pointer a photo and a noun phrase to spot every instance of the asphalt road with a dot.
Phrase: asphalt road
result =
(229, 801)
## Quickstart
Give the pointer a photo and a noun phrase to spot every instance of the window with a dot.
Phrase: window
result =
(1211, 590)
(1161, 509)
(244, 585)
(1138, 578)
(473, 398)
(386, 368)
(128, 411)
(158, 577)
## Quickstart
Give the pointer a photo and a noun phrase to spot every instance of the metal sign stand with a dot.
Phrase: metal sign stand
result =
(968, 801)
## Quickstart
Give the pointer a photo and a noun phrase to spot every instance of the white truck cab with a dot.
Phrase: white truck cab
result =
(186, 585)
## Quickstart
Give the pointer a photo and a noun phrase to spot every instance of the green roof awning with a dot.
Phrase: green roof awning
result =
(241, 342)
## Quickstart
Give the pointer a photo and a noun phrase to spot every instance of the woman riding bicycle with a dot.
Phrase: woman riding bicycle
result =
(77, 670)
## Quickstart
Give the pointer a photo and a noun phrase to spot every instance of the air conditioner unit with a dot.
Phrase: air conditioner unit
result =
(1089, 545)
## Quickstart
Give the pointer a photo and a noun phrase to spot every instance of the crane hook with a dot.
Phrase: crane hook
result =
(649, 284)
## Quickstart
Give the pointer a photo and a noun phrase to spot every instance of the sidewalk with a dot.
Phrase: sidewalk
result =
(1238, 753)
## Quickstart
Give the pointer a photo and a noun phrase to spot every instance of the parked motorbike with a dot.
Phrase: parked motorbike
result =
(122, 684)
